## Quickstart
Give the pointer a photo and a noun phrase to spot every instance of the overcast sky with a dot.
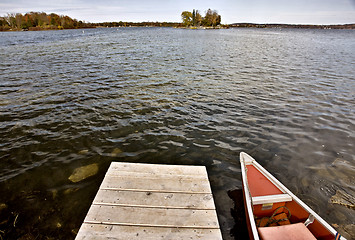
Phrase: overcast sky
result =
(232, 11)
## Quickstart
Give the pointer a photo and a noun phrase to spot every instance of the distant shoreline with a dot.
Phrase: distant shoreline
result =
(223, 26)
(179, 25)
(41, 21)
(305, 26)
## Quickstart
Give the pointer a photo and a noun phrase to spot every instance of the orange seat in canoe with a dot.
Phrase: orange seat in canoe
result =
(297, 231)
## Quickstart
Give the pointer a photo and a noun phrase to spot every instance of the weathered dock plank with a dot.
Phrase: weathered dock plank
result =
(160, 217)
(154, 199)
(117, 232)
(156, 184)
(151, 201)
(157, 169)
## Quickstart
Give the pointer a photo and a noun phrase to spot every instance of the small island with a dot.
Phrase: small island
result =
(194, 20)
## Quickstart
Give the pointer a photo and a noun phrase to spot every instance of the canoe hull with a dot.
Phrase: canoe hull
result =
(263, 194)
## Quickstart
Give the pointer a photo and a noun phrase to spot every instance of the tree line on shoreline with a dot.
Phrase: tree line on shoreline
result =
(34, 21)
(39, 21)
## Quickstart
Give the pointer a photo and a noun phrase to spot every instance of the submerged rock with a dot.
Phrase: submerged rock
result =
(54, 193)
(350, 229)
(339, 162)
(343, 198)
(115, 152)
(84, 172)
(3, 206)
(83, 152)
(70, 190)
(340, 172)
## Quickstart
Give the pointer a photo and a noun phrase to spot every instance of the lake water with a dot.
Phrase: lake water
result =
(172, 96)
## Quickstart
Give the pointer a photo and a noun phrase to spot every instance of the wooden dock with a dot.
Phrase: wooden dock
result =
(152, 201)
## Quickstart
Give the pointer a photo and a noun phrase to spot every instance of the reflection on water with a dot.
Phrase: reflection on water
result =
(70, 99)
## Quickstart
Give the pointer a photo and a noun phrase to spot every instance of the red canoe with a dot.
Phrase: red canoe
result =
(274, 212)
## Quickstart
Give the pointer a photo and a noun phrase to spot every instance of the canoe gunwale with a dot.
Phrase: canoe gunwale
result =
(247, 198)
(246, 159)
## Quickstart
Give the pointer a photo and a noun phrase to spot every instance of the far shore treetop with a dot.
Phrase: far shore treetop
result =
(194, 18)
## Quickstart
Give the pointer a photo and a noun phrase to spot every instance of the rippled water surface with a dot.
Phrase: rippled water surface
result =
(172, 96)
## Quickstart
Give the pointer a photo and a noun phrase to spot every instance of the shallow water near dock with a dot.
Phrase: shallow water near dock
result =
(73, 98)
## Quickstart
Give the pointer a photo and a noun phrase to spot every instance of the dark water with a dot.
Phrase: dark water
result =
(73, 98)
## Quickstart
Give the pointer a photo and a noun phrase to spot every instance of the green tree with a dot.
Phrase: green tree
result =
(4, 25)
(10, 18)
(211, 18)
(193, 18)
(27, 21)
(54, 20)
(42, 19)
(198, 18)
(216, 18)
(186, 18)
(219, 19)
(3, 21)
(18, 19)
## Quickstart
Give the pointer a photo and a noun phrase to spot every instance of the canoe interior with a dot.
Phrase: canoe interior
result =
(260, 185)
